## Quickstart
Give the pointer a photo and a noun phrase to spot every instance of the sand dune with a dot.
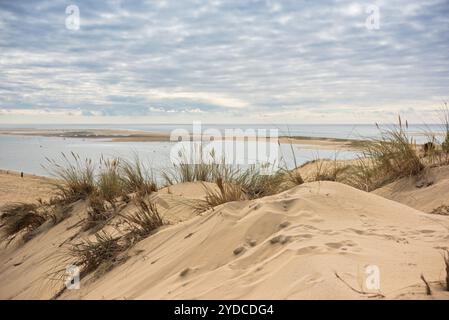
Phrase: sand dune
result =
(292, 245)
(311, 242)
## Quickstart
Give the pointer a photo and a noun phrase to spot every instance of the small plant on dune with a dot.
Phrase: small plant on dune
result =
(102, 253)
(252, 181)
(145, 221)
(186, 172)
(443, 210)
(294, 177)
(109, 185)
(99, 211)
(89, 255)
(364, 175)
(227, 192)
(190, 170)
(75, 177)
(328, 170)
(135, 178)
(102, 202)
(20, 217)
(388, 158)
(256, 183)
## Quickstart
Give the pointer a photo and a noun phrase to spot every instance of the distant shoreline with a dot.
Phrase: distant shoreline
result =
(144, 136)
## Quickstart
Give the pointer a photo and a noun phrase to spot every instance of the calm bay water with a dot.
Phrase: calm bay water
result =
(28, 153)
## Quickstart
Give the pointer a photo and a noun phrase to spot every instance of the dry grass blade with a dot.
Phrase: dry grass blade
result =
(446, 262)
(428, 290)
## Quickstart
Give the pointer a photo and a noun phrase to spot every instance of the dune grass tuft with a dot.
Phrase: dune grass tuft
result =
(227, 192)
(102, 253)
(392, 156)
(18, 217)
(257, 184)
(91, 254)
(145, 221)
(109, 183)
(187, 172)
(99, 211)
(75, 177)
(136, 178)
(330, 170)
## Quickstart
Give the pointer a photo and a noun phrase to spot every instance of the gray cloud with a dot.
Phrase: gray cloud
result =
(281, 60)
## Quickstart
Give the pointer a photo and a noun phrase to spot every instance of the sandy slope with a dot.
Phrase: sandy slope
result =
(293, 244)
(424, 193)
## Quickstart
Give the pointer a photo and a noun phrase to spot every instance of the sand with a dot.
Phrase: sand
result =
(314, 241)
(426, 192)
(13, 188)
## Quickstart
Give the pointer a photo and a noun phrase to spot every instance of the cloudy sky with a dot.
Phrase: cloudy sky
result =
(252, 61)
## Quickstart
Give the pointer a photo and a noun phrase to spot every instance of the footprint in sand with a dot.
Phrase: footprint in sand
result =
(284, 224)
(280, 239)
(426, 231)
(343, 245)
(309, 249)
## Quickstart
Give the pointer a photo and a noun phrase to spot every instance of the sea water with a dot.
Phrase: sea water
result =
(29, 153)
